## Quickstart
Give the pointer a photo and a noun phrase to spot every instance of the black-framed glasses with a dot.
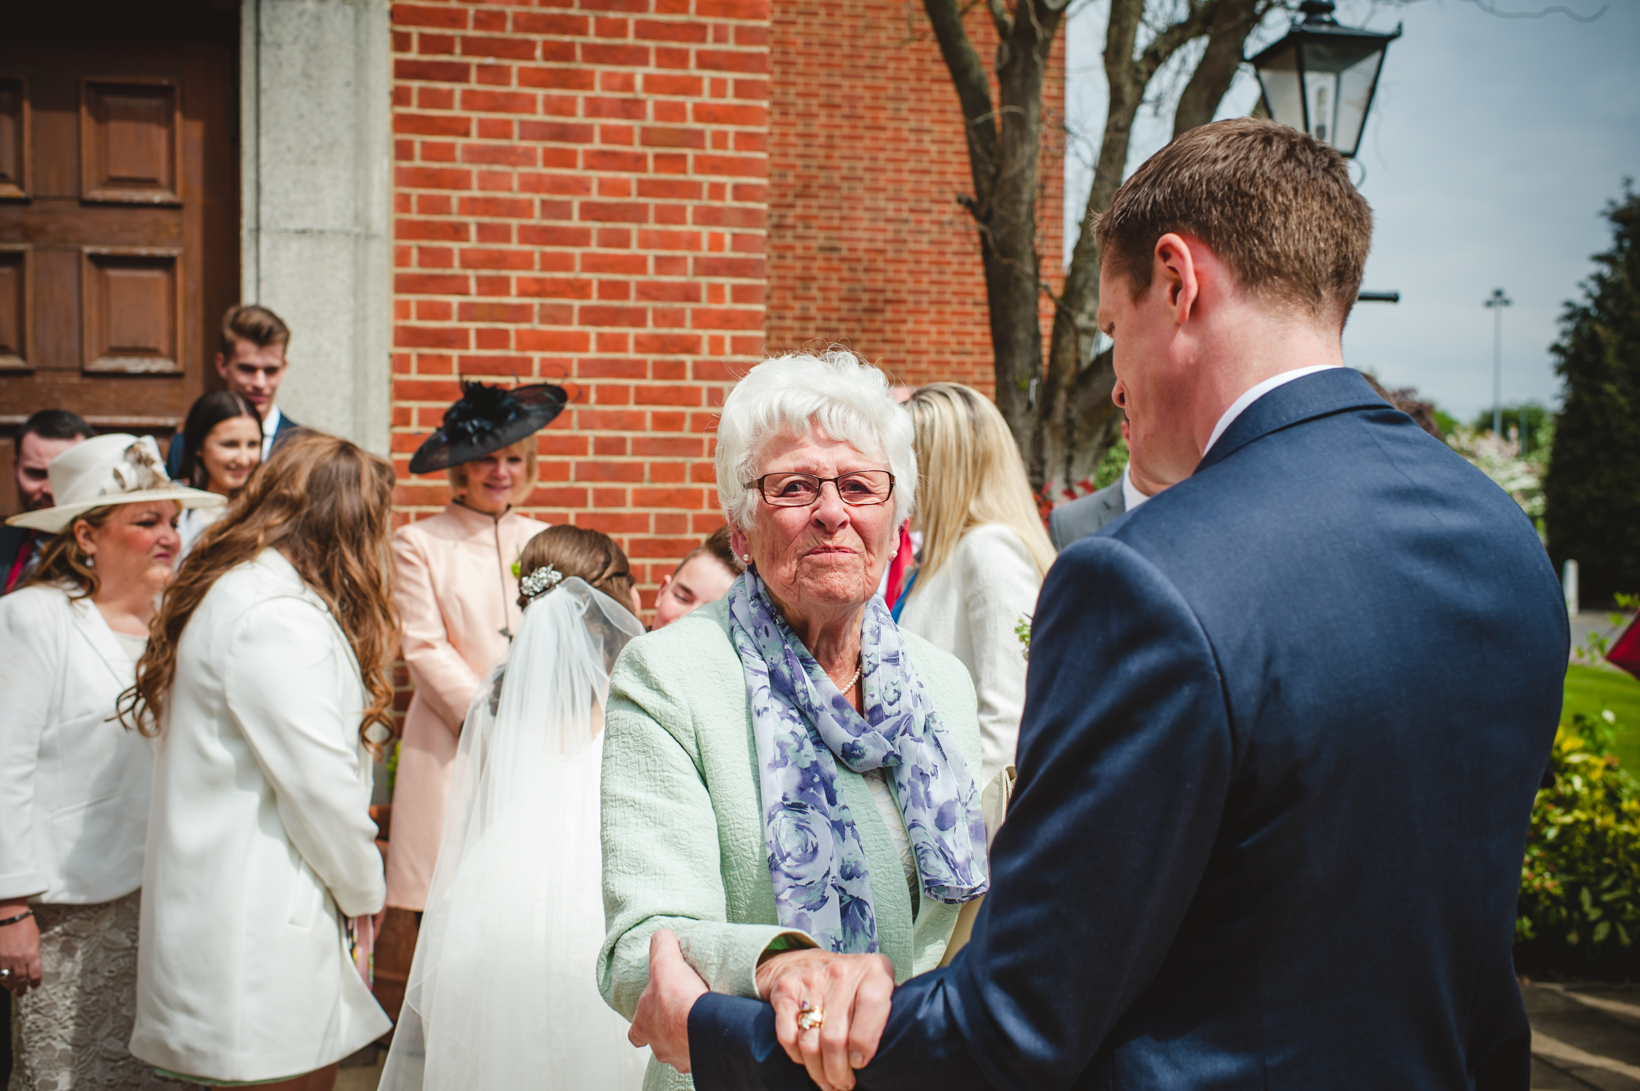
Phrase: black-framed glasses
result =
(859, 489)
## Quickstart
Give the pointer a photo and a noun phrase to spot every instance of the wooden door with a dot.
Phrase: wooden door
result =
(119, 230)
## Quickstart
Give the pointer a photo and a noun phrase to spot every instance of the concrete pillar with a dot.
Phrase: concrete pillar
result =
(316, 161)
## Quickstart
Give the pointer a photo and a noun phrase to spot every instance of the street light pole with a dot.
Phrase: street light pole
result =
(1496, 305)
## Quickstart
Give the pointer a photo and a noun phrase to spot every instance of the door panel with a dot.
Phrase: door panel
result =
(128, 142)
(13, 138)
(131, 317)
(15, 289)
(119, 229)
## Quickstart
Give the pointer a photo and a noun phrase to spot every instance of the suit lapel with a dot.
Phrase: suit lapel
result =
(89, 623)
(1321, 394)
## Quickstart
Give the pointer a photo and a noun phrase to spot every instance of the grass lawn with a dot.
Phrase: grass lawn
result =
(1591, 690)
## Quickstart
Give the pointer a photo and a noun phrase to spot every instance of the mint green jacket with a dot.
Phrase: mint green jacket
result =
(682, 825)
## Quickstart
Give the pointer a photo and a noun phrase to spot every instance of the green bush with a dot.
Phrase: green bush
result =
(1580, 883)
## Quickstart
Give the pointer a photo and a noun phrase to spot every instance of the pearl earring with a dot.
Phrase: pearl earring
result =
(90, 561)
(747, 558)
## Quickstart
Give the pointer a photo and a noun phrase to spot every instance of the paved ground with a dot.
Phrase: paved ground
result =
(1585, 1036)
(363, 1070)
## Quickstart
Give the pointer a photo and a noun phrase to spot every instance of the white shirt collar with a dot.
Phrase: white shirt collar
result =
(1131, 496)
(270, 425)
(1253, 394)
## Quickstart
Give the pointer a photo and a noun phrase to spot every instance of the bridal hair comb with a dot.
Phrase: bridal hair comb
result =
(540, 581)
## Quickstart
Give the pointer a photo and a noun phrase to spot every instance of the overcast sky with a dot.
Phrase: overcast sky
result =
(1491, 149)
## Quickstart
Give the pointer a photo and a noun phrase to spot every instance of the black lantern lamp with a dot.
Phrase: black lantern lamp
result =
(1321, 77)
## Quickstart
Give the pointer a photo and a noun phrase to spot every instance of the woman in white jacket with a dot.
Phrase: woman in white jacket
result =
(266, 683)
(984, 553)
(73, 785)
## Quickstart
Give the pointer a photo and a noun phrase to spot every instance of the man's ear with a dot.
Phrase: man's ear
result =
(222, 365)
(665, 580)
(1175, 270)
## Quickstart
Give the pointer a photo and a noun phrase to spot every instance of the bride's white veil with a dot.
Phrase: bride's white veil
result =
(502, 992)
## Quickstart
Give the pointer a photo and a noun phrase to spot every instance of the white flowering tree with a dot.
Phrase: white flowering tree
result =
(1499, 458)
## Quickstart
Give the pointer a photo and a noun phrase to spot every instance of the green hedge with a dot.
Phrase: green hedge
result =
(1580, 883)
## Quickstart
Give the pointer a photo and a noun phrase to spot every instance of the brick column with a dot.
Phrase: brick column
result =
(580, 197)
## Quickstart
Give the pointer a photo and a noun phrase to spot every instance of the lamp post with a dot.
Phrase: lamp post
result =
(1321, 77)
(1496, 304)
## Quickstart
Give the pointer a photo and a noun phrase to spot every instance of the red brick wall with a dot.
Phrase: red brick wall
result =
(583, 195)
(580, 196)
(867, 245)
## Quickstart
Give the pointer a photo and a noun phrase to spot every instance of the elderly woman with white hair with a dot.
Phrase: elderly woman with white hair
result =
(787, 775)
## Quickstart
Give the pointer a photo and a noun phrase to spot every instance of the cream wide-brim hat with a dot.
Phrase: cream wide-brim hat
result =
(104, 471)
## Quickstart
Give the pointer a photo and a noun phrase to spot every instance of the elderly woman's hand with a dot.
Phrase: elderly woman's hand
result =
(854, 994)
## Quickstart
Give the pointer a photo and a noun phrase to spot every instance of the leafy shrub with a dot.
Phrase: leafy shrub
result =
(1580, 883)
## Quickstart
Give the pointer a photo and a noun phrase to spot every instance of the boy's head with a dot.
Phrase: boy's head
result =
(252, 357)
(701, 577)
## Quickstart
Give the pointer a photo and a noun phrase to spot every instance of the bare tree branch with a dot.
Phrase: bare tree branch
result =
(1059, 410)
(1001, 19)
(973, 92)
(1201, 96)
(1491, 8)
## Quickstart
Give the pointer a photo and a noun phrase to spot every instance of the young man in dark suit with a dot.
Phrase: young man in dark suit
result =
(1283, 727)
(252, 363)
(45, 435)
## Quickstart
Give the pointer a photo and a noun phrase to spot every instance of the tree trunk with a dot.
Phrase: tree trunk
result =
(1061, 414)
(1200, 99)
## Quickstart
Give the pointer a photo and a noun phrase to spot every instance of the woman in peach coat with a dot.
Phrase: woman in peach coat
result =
(457, 600)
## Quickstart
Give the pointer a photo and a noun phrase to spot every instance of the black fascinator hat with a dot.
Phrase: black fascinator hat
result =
(487, 418)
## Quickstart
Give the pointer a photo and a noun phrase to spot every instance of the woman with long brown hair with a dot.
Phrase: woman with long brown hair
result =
(266, 682)
(223, 440)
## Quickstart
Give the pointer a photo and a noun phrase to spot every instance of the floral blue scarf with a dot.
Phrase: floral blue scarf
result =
(802, 726)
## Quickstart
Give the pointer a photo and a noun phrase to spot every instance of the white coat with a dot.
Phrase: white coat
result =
(259, 841)
(73, 782)
(971, 607)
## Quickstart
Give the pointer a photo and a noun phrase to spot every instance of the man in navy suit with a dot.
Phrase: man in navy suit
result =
(1283, 727)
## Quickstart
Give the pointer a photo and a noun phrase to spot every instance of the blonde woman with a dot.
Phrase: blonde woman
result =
(267, 683)
(457, 596)
(984, 553)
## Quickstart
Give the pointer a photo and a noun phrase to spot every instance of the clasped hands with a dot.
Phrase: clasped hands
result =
(854, 991)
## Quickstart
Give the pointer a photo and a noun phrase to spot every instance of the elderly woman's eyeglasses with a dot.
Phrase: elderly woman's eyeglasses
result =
(859, 489)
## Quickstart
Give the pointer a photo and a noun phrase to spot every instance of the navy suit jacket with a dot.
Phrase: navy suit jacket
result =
(1283, 728)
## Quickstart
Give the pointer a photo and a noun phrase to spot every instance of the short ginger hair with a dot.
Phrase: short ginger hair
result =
(1275, 204)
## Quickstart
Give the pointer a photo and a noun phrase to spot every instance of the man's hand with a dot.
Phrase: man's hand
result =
(19, 948)
(855, 993)
(662, 1019)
